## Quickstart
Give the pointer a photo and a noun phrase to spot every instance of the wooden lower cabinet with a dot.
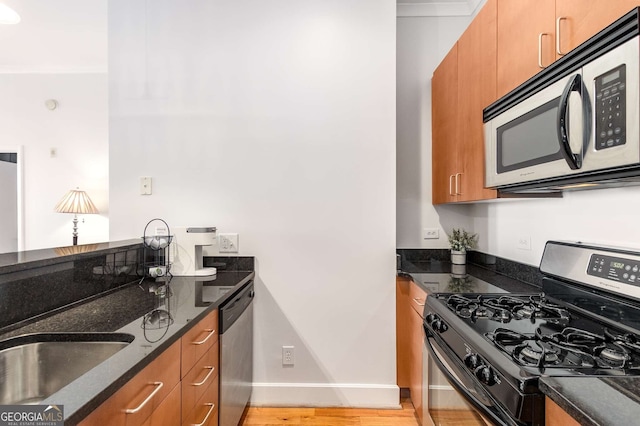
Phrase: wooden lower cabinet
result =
(179, 387)
(410, 341)
(141, 396)
(556, 416)
(167, 413)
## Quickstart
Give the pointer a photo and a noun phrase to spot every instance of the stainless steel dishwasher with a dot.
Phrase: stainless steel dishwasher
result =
(236, 355)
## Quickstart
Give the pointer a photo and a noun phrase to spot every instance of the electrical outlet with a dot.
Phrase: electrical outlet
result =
(430, 233)
(287, 355)
(228, 243)
(523, 242)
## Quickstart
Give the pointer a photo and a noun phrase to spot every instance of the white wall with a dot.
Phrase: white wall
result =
(602, 216)
(9, 210)
(422, 43)
(77, 131)
(275, 120)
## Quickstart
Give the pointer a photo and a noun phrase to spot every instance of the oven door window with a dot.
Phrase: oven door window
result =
(530, 139)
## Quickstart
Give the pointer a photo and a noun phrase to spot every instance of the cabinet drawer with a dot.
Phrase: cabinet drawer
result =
(205, 412)
(417, 298)
(140, 396)
(198, 380)
(197, 341)
(168, 412)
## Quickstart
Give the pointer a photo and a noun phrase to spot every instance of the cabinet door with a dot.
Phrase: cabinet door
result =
(142, 395)
(476, 90)
(416, 362)
(556, 416)
(168, 412)
(520, 24)
(444, 125)
(580, 20)
(403, 331)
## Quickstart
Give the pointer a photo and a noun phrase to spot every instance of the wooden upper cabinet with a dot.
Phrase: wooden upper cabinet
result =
(532, 34)
(444, 128)
(462, 85)
(579, 19)
(476, 89)
(526, 40)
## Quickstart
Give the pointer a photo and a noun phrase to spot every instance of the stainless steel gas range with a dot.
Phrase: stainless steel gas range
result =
(493, 348)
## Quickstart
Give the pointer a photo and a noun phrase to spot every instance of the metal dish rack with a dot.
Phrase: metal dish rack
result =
(156, 252)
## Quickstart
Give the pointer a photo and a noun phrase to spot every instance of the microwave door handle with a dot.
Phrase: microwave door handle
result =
(575, 85)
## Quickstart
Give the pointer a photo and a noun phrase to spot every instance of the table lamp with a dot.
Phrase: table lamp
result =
(76, 202)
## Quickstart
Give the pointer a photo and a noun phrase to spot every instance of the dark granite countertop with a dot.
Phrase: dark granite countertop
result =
(596, 401)
(23, 260)
(436, 276)
(187, 299)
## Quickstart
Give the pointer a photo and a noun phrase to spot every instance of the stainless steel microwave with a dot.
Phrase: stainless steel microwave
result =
(580, 129)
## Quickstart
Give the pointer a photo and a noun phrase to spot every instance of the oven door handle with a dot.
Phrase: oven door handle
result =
(574, 85)
(504, 420)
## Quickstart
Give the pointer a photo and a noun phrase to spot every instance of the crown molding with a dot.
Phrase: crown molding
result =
(436, 8)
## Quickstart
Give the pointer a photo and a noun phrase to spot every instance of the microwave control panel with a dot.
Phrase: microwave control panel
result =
(610, 108)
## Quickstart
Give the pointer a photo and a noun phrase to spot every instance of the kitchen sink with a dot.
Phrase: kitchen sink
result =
(35, 366)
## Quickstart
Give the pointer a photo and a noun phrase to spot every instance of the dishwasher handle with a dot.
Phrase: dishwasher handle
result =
(231, 310)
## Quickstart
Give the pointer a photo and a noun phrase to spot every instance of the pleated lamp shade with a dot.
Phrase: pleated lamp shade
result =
(76, 201)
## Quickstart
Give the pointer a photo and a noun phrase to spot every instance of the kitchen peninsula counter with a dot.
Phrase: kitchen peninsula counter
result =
(186, 299)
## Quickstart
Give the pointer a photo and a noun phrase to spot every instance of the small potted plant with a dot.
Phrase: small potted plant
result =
(461, 241)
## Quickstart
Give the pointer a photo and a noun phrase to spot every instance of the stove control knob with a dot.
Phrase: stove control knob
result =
(472, 361)
(486, 375)
(430, 317)
(439, 325)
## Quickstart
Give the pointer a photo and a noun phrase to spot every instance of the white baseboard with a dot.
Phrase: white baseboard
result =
(325, 395)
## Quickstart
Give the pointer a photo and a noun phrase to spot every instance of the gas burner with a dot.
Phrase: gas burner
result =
(532, 352)
(614, 356)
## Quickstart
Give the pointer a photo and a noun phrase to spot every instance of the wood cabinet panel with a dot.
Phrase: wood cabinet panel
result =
(205, 411)
(197, 341)
(417, 343)
(142, 394)
(403, 331)
(556, 416)
(444, 127)
(519, 25)
(417, 297)
(198, 380)
(581, 20)
(476, 89)
(168, 412)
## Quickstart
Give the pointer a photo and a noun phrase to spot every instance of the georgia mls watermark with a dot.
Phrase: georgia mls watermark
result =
(31, 415)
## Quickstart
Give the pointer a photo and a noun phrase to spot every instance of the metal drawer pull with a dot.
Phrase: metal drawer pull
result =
(450, 185)
(147, 399)
(415, 299)
(212, 405)
(202, 342)
(208, 367)
(540, 50)
(457, 182)
(558, 43)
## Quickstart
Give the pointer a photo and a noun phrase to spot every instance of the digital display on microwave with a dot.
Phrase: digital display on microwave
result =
(611, 77)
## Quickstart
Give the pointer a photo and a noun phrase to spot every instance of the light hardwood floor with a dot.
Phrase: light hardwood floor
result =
(268, 416)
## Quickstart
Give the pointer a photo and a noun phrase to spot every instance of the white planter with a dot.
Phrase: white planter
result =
(458, 270)
(458, 257)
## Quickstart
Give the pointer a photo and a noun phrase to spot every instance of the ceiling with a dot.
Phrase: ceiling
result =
(406, 8)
